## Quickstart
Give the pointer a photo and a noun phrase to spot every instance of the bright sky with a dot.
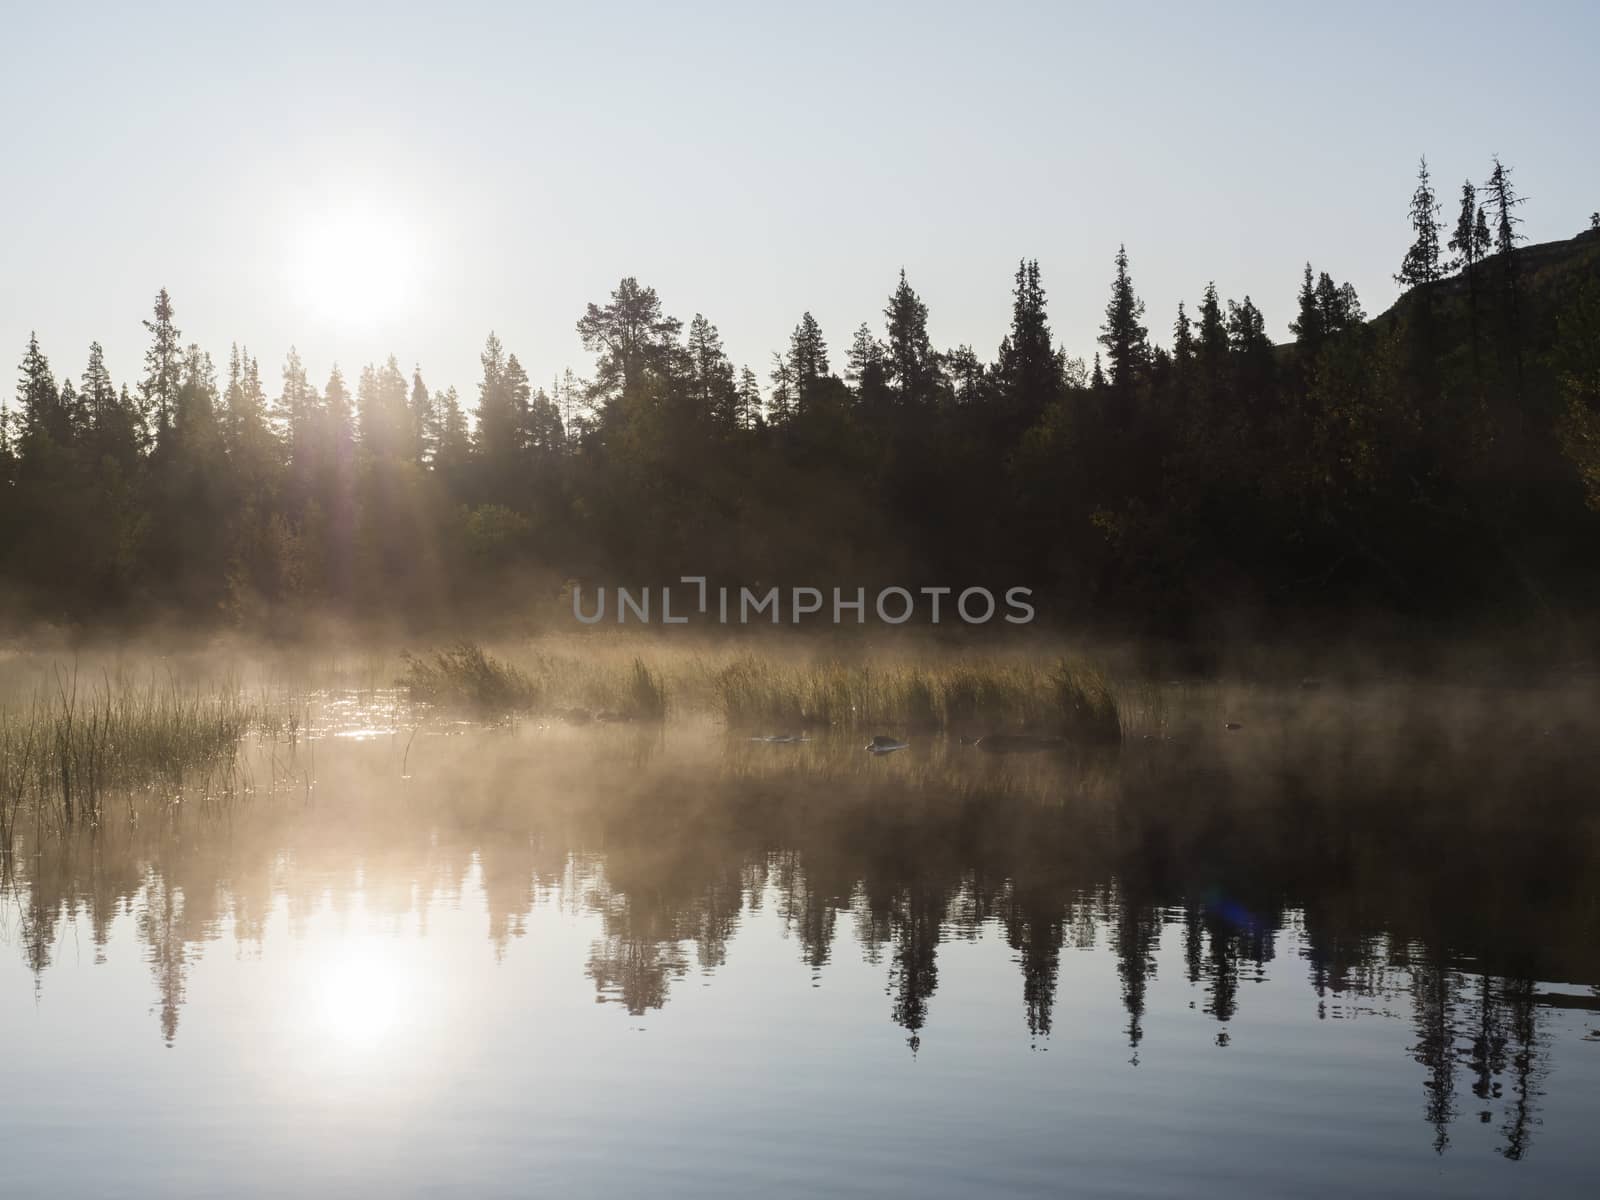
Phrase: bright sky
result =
(361, 179)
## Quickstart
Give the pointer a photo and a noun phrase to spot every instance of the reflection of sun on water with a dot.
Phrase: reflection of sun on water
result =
(359, 997)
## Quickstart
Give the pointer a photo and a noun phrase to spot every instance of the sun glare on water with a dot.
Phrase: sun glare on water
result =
(355, 264)
(360, 997)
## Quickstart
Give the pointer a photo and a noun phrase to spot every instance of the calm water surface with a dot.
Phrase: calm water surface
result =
(1348, 949)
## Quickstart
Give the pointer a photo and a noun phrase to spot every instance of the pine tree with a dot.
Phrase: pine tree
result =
(1421, 264)
(866, 367)
(783, 402)
(1097, 378)
(163, 361)
(748, 411)
(576, 411)
(912, 368)
(630, 335)
(808, 359)
(1124, 338)
(967, 375)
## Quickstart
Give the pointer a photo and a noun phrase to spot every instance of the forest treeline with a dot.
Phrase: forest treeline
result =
(1439, 462)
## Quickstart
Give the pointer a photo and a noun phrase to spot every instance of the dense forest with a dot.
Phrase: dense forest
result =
(1438, 463)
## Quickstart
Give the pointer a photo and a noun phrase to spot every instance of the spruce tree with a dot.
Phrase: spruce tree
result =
(338, 420)
(912, 368)
(1470, 242)
(424, 419)
(1421, 264)
(1502, 202)
(711, 386)
(501, 440)
(1182, 339)
(453, 453)
(1309, 327)
(39, 401)
(1212, 346)
(112, 418)
(163, 362)
(1029, 366)
(1122, 335)
(545, 437)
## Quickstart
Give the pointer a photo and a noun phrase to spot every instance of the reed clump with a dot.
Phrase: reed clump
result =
(1088, 704)
(63, 752)
(1074, 701)
(647, 694)
(464, 676)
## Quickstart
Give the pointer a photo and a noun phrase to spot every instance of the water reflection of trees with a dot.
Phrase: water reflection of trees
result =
(1391, 889)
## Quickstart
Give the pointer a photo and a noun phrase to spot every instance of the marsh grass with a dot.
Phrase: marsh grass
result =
(968, 695)
(64, 751)
(963, 697)
(65, 747)
(647, 694)
(464, 676)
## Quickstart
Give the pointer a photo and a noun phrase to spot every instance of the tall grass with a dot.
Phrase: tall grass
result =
(1068, 699)
(66, 749)
(465, 676)
(969, 695)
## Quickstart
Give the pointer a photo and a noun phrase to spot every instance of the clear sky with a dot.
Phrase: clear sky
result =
(361, 179)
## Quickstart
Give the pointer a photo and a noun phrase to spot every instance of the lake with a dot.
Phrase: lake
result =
(1351, 946)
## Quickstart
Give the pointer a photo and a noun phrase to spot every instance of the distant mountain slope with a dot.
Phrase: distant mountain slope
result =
(1549, 271)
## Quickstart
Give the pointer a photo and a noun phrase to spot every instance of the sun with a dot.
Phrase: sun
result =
(355, 264)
